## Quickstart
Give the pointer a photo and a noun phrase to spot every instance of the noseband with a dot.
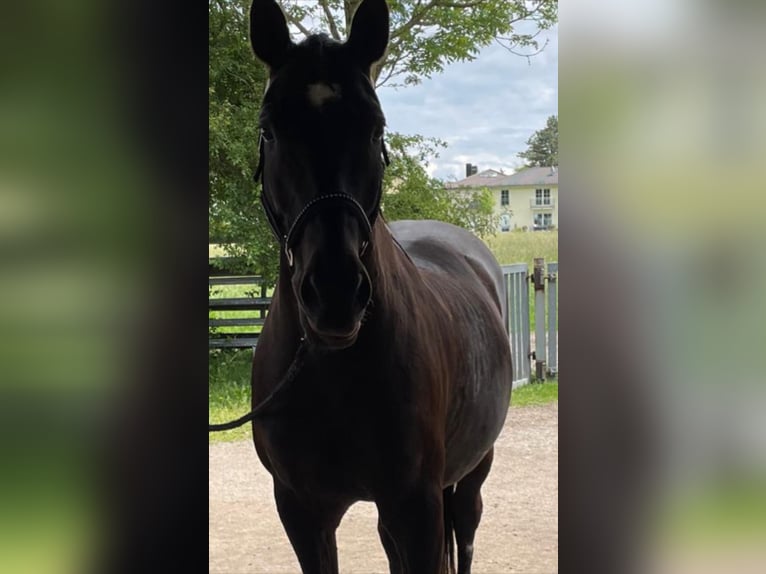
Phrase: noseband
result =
(287, 239)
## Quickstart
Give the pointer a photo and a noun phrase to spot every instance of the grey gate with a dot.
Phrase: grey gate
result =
(516, 278)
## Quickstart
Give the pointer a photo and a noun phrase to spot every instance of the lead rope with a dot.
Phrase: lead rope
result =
(262, 408)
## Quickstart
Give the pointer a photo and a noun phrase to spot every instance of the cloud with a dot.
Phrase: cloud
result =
(485, 110)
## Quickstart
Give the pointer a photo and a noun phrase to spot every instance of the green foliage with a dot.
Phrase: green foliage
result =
(474, 210)
(236, 85)
(410, 193)
(543, 146)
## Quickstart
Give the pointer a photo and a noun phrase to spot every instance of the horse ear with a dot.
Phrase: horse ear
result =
(269, 35)
(368, 36)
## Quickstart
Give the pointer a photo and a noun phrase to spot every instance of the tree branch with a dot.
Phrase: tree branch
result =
(392, 72)
(297, 23)
(305, 31)
(459, 4)
(515, 53)
(527, 13)
(330, 20)
(418, 11)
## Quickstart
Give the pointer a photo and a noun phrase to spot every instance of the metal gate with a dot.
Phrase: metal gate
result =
(516, 278)
(517, 284)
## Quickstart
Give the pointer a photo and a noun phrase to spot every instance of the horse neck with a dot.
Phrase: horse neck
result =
(390, 268)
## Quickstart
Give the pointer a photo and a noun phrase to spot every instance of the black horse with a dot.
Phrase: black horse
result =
(405, 376)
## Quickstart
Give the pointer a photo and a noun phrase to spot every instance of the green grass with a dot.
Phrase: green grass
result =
(229, 391)
(524, 246)
(535, 394)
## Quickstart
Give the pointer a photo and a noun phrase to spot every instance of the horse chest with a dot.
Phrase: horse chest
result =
(322, 441)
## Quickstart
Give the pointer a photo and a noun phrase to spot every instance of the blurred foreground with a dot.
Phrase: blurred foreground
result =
(89, 210)
(663, 126)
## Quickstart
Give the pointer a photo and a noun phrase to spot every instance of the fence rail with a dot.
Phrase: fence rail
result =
(250, 312)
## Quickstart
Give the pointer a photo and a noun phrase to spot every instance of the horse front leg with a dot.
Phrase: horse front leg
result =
(310, 525)
(414, 525)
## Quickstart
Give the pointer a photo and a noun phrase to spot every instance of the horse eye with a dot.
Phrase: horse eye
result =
(377, 135)
(266, 134)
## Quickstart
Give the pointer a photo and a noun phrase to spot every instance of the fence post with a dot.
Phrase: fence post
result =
(538, 278)
(261, 312)
(526, 355)
(553, 360)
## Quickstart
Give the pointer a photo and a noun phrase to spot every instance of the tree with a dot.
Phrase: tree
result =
(543, 146)
(426, 35)
(410, 193)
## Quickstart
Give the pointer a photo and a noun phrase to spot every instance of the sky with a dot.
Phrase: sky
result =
(485, 109)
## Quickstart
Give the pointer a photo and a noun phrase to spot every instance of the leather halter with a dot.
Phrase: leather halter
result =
(287, 238)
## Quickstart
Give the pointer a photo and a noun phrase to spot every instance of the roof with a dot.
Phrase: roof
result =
(484, 178)
(525, 176)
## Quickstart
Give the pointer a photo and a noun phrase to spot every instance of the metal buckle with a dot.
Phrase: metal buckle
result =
(289, 254)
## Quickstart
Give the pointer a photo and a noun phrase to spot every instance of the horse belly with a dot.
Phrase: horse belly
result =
(465, 448)
(480, 399)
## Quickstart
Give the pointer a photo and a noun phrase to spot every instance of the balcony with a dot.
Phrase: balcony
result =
(535, 203)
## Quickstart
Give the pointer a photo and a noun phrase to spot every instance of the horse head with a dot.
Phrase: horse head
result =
(321, 163)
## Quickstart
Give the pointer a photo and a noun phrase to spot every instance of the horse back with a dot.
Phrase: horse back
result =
(445, 248)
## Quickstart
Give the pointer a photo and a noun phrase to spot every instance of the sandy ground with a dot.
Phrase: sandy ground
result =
(518, 532)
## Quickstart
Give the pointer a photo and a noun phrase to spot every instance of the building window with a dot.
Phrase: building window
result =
(542, 197)
(505, 222)
(543, 220)
(505, 197)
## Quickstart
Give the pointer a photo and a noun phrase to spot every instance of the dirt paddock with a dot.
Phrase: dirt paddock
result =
(518, 532)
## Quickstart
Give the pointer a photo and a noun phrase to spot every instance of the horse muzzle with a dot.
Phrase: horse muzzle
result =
(332, 311)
